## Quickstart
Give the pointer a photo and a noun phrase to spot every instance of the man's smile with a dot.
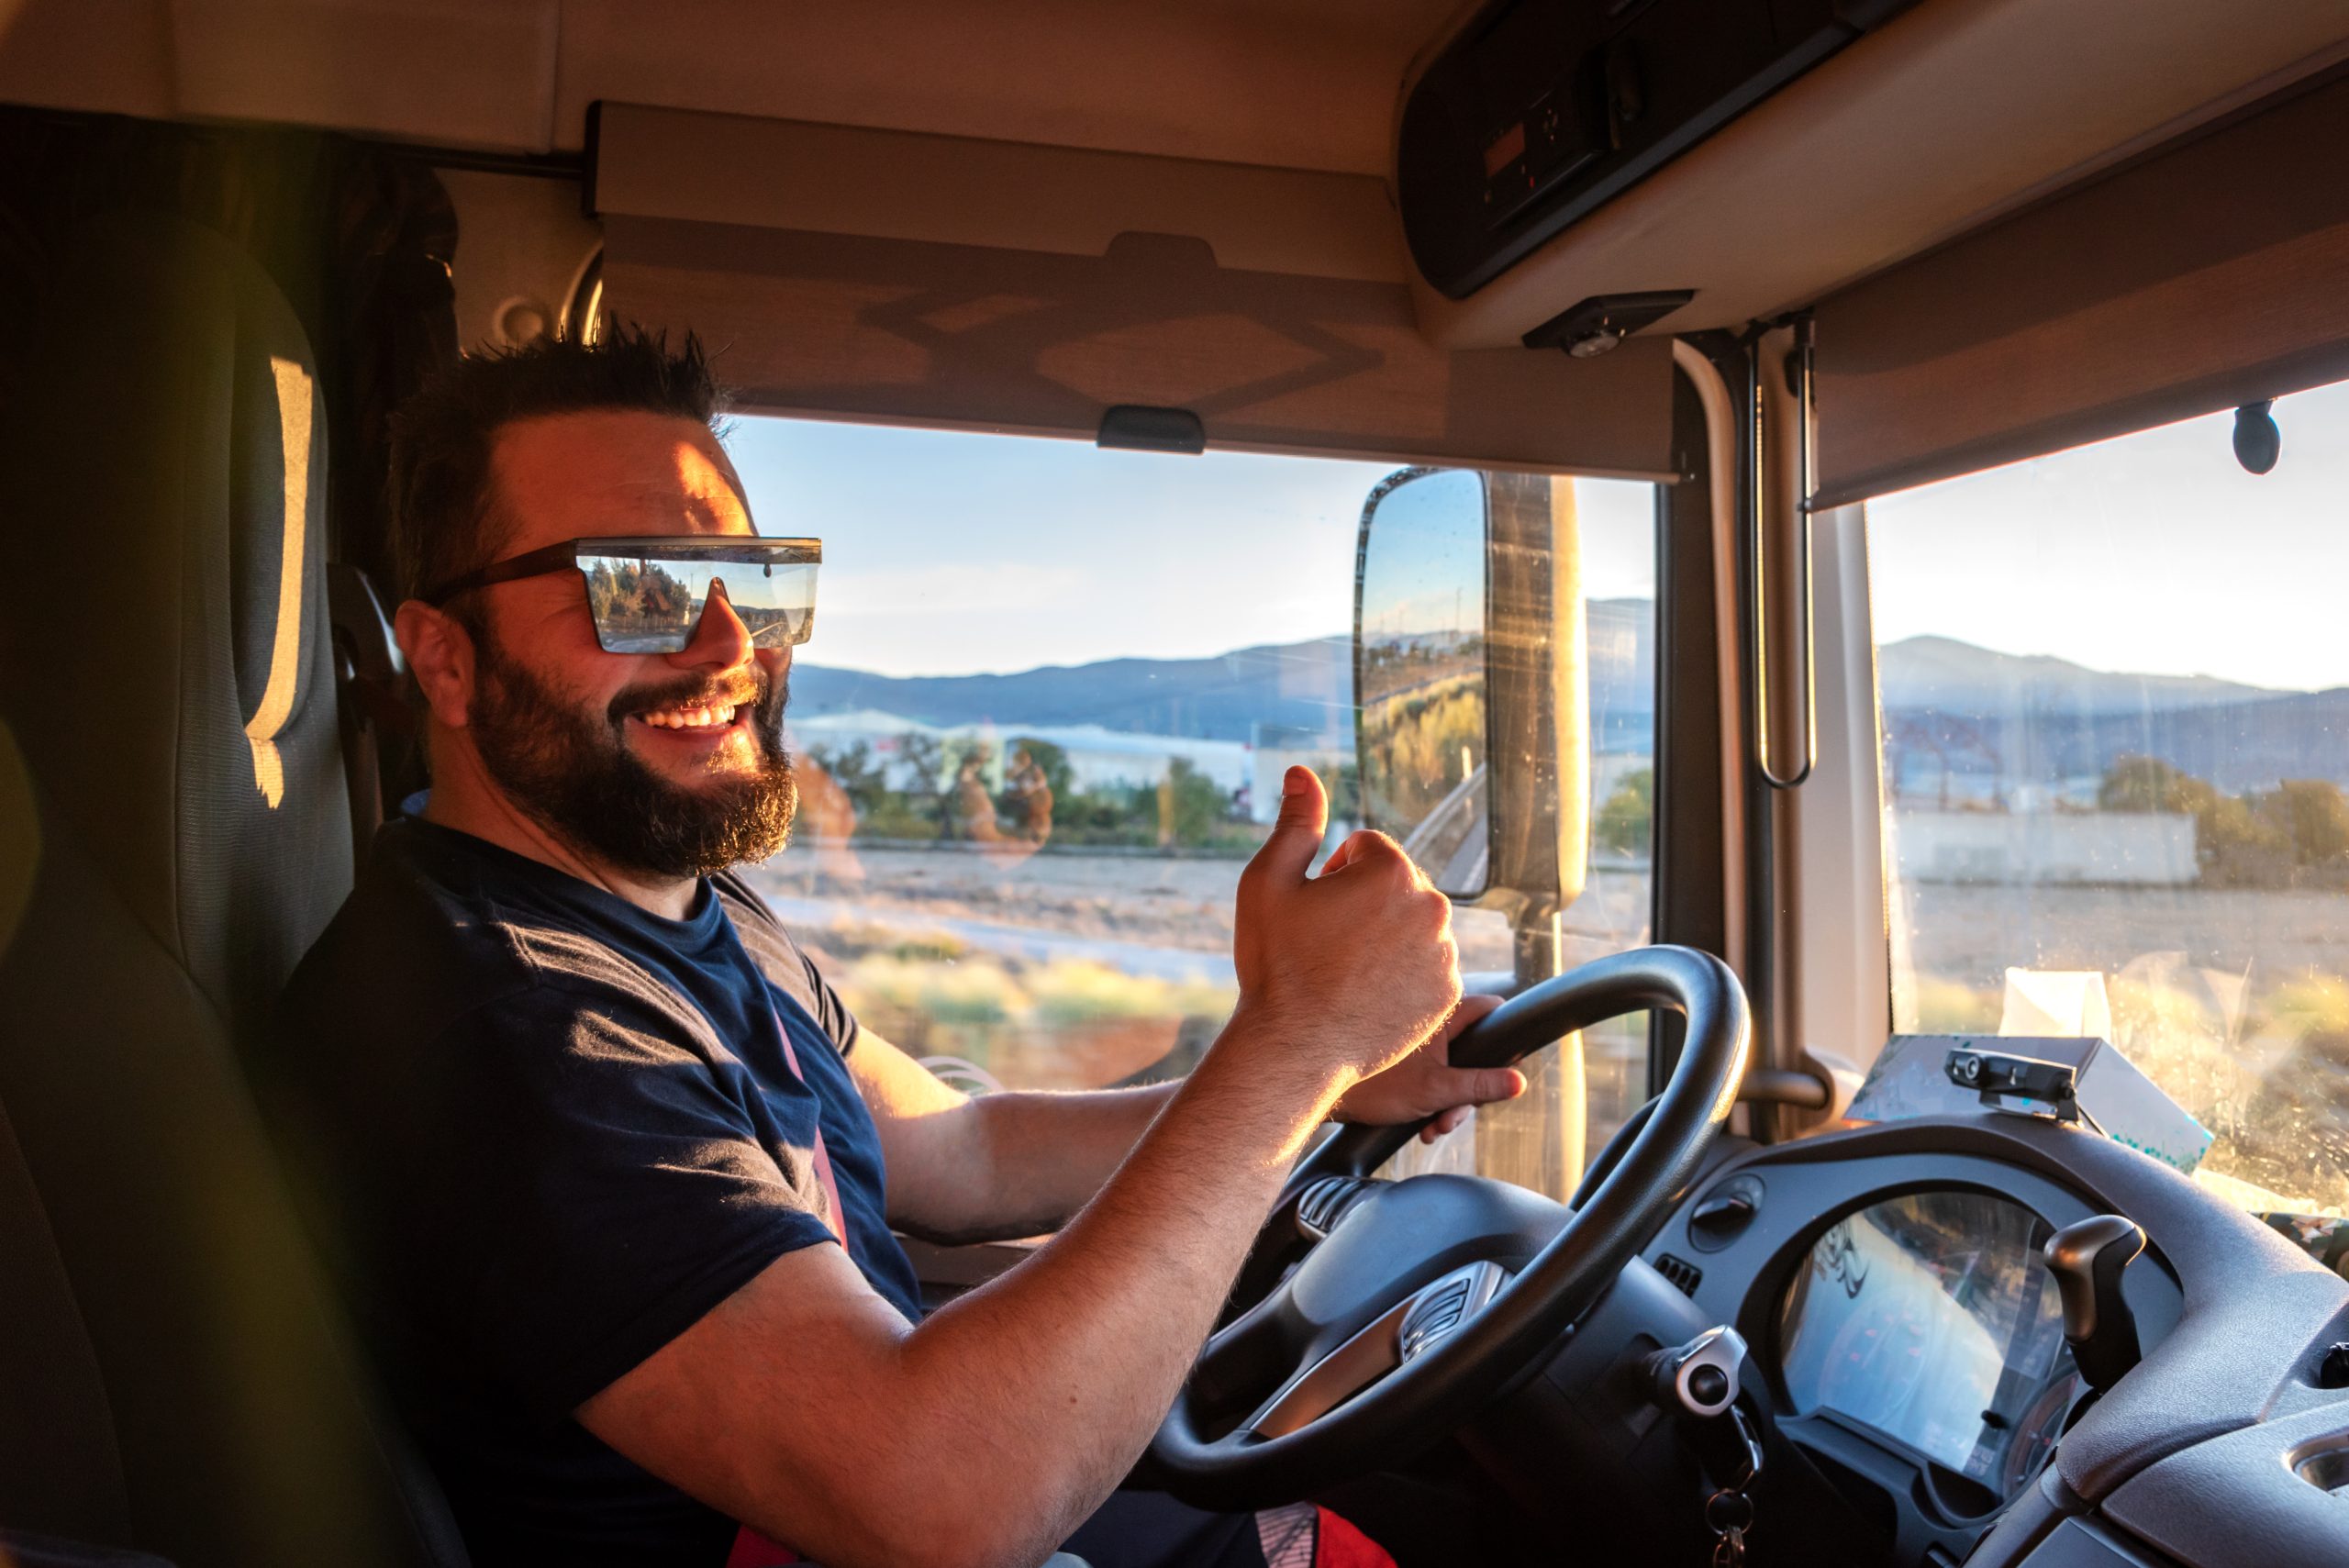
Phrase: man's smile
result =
(700, 721)
(704, 716)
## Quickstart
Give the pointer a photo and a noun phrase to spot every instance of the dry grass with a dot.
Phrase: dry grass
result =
(1066, 1023)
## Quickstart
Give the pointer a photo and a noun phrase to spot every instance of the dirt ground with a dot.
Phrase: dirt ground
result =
(1162, 902)
(1069, 970)
(1969, 935)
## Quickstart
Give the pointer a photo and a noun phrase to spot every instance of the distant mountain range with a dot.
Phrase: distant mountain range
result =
(1301, 685)
(2013, 718)
(1957, 677)
(1306, 685)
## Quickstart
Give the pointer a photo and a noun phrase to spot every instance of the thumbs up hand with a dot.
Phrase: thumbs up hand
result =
(1355, 966)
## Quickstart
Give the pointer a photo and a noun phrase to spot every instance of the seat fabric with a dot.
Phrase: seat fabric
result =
(175, 1376)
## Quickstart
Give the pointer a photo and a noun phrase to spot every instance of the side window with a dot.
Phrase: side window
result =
(2113, 717)
(1042, 721)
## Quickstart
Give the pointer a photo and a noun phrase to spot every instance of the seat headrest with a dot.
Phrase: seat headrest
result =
(165, 665)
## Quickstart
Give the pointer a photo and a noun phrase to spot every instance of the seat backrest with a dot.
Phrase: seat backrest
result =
(174, 831)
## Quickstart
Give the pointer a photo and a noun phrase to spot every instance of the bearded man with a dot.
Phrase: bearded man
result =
(610, 1169)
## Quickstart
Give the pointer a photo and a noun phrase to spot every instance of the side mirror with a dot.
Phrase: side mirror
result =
(1471, 697)
(1422, 727)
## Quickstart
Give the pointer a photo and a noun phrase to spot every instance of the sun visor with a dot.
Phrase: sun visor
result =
(904, 278)
(2200, 278)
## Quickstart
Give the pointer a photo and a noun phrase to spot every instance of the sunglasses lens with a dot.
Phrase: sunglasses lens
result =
(654, 604)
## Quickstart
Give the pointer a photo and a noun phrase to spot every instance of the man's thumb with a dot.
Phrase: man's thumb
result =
(1288, 855)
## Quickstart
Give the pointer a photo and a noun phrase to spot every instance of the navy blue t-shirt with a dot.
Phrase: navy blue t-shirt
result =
(542, 1133)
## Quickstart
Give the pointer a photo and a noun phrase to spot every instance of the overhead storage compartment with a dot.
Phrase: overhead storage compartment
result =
(1945, 118)
(1538, 110)
(898, 277)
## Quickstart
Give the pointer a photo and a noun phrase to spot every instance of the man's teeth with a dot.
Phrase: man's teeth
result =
(690, 718)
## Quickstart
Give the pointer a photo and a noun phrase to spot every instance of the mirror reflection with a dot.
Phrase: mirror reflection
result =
(1420, 619)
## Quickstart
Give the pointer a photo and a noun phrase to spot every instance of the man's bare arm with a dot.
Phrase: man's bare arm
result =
(804, 1406)
(1020, 1163)
(997, 1166)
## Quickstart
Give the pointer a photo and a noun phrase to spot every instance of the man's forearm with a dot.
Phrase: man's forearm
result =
(1033, 1158)
(1097, 1329)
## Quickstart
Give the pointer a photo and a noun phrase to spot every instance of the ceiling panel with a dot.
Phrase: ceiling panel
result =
(1307, 84)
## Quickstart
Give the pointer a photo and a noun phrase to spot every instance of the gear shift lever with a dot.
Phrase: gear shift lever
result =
(2088, 1259)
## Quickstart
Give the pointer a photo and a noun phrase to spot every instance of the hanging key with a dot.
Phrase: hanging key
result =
(1729, 1514)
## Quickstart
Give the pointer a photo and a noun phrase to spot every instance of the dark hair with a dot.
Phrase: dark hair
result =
(444, 519)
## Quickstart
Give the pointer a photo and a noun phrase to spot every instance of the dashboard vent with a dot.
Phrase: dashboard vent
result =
(1321, 1205)
(1683, 1276)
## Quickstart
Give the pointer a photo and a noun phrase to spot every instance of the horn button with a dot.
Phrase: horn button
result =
(1405, 1236)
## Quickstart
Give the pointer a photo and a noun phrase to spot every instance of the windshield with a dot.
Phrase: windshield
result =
(1041, 724)
(2114, 689)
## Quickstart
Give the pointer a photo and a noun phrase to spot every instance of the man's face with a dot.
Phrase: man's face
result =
(667, 763)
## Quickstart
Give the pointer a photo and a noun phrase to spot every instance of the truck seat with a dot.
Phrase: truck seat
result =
(174, 830)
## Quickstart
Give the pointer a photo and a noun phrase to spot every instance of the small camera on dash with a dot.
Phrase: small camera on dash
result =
(2000, 1078)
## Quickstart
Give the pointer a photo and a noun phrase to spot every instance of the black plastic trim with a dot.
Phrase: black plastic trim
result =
(1684, 884)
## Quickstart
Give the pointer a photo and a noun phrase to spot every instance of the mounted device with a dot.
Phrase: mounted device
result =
(1540, 110)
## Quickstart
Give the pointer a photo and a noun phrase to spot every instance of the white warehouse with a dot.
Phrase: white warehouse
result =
(2106, 848)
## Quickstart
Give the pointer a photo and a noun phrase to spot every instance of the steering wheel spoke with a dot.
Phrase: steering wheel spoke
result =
(1396, 1337)
(1245, 1354)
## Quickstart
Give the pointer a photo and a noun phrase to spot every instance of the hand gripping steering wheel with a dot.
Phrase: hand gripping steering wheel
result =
(1417, 1301)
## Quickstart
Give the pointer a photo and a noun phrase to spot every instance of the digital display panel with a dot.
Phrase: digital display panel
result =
(1505, 150)
(1932, 1319)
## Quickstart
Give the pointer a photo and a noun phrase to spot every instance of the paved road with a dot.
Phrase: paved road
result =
(1450, 845)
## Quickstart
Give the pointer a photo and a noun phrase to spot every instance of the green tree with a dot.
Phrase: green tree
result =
(2150, 784)
(2236, 824)
(860, 775)
(1626, 823)
(2314, 817)
(1052, 758)
(1190, 805)
(2240, 836)
(907, 801)
(922, 763)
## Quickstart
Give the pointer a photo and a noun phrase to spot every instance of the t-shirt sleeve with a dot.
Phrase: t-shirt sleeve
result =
(598, 1187)
(787, 964)
(828, 1010)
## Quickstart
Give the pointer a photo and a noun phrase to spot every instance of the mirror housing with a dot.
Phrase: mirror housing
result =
(1527, 662)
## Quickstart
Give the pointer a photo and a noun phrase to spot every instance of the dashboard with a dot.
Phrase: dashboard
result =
(1905, 1339)
(1931, 1321)
(1905, 1325)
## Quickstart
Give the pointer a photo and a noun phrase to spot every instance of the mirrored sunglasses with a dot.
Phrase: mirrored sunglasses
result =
(647, 595)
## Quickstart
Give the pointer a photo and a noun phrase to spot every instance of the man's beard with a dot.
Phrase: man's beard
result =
(573, 771)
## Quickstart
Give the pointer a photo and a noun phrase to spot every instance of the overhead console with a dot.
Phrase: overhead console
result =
(1542, 109)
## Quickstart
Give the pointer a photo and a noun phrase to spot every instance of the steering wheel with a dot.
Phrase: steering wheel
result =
(1417, 1301)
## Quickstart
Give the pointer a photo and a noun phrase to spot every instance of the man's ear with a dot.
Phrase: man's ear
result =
(440, 653)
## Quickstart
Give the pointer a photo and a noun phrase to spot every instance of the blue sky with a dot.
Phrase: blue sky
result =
(950, 554)
(1427, 573)
(2154, 553)
(954, 553)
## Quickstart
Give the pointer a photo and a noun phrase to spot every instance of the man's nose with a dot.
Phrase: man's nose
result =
(720, 640)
